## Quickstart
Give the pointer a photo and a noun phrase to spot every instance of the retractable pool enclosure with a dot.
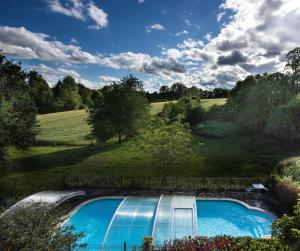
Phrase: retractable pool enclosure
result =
(109, 222)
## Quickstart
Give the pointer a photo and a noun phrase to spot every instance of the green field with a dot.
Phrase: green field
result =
(63, 150)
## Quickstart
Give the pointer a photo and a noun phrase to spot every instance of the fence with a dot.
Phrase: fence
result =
(168, 183)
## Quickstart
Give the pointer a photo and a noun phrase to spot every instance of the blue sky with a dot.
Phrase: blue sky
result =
(207, 43)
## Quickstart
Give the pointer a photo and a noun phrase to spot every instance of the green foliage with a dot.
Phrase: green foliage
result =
(216, 129)
(168, 145)
(286, 187)
(185, 110)
(17, 109)
(41, 93)
(284, 122)
(121, 110)
(287, 229)
(225, 243)
(293, 64)
(35, 227)
(66, 91)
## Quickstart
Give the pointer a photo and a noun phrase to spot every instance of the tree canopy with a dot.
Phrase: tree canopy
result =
(121, 110)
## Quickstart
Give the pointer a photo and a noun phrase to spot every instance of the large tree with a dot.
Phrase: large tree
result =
(66, 91)
(121, 110)
(40, 92)
(168, 145)
(293, 64)
(17, 109)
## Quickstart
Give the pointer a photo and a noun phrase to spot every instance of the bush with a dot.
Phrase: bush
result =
(35, 227)
(224, 243)
(195, 115)
(185, 110)
(286, 193)
(287, 229)
(216, 129)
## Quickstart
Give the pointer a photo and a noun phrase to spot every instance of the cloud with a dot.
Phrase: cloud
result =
(220, 16)
(184, 32)
(254, 39)
(208, 36)
(79, 10)
(143, 63)
(155, 27)
(141, 1)
(107, 80)
(74, 8)
(22, 43)
(190, 43)
(235, 57)
(53, 75)
(98, 15)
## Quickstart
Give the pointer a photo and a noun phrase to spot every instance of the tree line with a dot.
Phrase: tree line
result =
(267, 104)
(179, 90)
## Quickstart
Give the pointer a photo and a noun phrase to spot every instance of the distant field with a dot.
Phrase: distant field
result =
(63, 150)
(71, 127)
(63, 127)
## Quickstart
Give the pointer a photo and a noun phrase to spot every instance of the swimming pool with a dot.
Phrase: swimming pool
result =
(111, 221)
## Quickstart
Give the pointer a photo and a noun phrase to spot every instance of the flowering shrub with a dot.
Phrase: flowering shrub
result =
(224, 243)
(286, 193)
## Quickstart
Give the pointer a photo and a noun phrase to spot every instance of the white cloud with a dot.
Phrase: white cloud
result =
(74, 8)
(107, 80)
(220, 16)
(79, 10)
(184, 32)
(208, 36)
(141, 1)
(22, 43)
(156, 27)
(255, 39)
(53, 75)
(98, 15)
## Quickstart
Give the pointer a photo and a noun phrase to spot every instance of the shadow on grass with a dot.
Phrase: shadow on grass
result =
(70, 155)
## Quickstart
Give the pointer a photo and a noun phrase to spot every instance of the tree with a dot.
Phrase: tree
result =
(293, 64)
(179, 90)
(17, 109)
(121, 110)
(86, 95)
(40, 93)
(164, 89)
(66, 91)
(37, 228)
(168, 145)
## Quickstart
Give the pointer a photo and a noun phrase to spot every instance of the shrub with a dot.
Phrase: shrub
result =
(216, 129)
(287, 229)
(34, 227)
(224, 243)
(195, 115)
(286, 193)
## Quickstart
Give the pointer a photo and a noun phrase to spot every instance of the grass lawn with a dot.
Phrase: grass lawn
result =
(63, 151)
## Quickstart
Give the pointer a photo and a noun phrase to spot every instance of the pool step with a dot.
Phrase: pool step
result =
(176, 217)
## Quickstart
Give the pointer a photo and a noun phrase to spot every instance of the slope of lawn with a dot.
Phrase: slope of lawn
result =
(63, 150)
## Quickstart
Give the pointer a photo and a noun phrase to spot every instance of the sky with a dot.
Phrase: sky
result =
(203, 43)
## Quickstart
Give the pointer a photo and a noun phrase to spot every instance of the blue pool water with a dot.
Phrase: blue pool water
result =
(111, 221)
(231, 218)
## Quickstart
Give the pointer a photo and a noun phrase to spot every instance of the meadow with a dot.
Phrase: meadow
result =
(62, 149)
